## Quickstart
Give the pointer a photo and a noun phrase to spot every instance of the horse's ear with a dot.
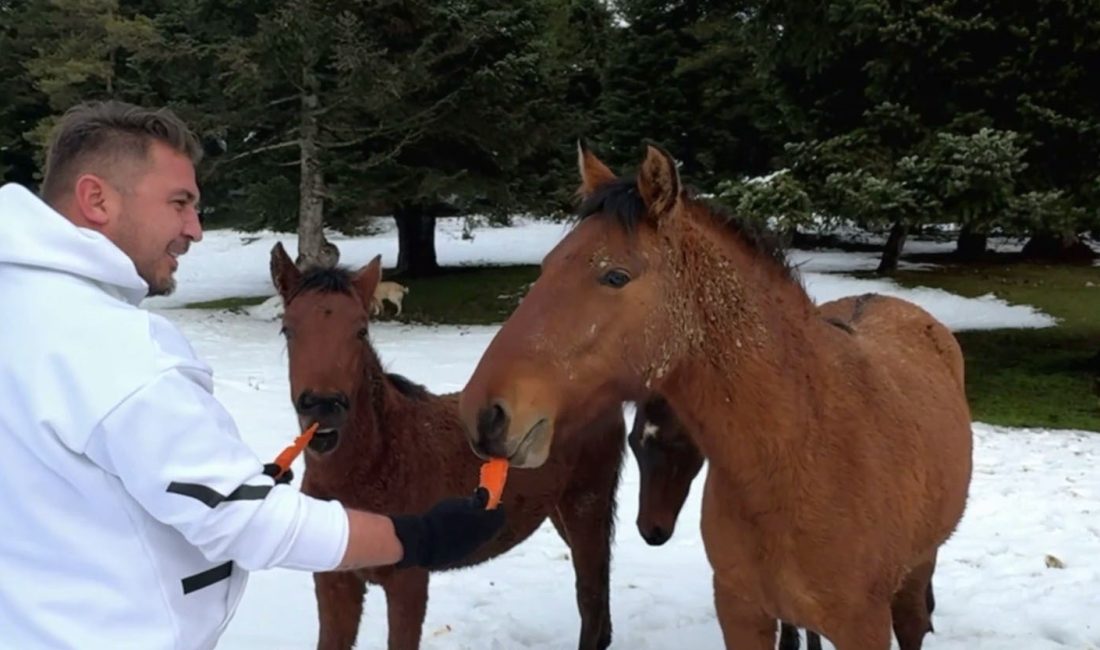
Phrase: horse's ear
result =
(593, 172)
(284, 274)
(366, 280)
(659, 182)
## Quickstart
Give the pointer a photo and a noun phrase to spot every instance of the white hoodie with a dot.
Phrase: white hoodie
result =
(130, 510)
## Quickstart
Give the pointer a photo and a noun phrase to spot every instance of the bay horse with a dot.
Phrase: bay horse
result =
(839, 457)
(668, 462)
(388, 445)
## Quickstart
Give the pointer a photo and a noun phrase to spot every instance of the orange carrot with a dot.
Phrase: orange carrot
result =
(494, 472)
(287, 456)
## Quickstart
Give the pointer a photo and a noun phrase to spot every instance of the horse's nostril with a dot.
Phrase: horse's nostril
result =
(492, 422)
(307, 401)
(319, 405)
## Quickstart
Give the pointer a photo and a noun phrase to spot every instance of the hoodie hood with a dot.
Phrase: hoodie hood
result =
(34, 234)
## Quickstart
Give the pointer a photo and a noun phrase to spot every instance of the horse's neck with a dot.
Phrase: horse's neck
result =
(738, 308)
(369, 443)
(745, 386)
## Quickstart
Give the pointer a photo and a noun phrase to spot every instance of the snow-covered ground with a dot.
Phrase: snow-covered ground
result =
(228, 263)
(1035, 492)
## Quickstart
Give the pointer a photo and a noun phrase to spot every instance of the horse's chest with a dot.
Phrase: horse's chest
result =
(731, 546)
(752, 562)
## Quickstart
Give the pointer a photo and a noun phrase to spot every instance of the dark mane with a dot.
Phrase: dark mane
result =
(407, 387)
(325, 280)
(620, 200)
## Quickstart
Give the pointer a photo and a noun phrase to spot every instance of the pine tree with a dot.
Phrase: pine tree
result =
(886, 99)
(84, 50)
(450, 97)
(21, 105)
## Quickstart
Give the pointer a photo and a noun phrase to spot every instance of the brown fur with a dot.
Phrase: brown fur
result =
(668, 462)
(401, 449)
(839, 460)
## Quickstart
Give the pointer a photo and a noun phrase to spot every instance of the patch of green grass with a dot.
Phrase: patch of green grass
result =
(1046, 377)
(232, 304)
(465, 295)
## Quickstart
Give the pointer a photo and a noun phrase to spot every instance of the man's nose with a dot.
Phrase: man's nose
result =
(192, 227)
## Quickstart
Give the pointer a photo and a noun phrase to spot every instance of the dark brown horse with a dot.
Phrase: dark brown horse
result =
(387, 445)
(839, 454)
(668, 462)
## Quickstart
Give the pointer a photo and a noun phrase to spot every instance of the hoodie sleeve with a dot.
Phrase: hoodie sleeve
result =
(177, 452)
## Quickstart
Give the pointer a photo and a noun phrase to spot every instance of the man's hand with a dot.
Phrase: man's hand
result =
(449, 532)
(272, 470)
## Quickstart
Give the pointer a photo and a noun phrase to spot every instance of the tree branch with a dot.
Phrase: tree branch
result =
(346, 143)
(270, 147)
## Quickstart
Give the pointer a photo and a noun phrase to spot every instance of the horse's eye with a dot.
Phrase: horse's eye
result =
(615, 278)
(363, 333)
(284, 331)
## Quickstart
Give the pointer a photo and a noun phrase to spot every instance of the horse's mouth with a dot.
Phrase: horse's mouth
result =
(324, 440)
(526, 453)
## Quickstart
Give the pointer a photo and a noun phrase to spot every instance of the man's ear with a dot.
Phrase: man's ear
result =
(95, 201)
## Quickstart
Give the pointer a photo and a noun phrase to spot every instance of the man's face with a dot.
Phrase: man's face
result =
(158, 217)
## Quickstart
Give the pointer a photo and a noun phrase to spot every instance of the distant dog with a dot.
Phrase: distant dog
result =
(389, 291)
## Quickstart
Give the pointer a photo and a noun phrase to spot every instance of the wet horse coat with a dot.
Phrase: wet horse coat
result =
(388, 445)
(839, 455)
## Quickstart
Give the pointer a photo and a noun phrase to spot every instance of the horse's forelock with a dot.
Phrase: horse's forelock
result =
(618, 199)
(325, 280)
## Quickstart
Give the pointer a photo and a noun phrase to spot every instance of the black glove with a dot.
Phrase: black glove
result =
(271, 469)
(451, 530)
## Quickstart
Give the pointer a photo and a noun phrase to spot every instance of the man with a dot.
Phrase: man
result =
(130, 509)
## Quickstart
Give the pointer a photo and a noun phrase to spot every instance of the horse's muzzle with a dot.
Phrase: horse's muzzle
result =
(324, 440)
(329, 411)
(655, 536)
(492, 432)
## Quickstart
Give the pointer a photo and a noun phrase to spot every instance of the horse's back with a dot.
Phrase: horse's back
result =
(893, 327)
(916, 380)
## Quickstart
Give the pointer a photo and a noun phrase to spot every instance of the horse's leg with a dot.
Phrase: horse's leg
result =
(813, 640)
(339, 608)
(930, 598)
(912, 606)
(584, 517)
(788, 637)
(406, 603)
(744, 625)
(590, 548)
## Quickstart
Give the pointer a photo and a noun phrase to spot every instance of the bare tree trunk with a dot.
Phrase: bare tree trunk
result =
(1058, 247)
(313, 248)
(892, 252)
(971, 244)
(112, 58)
(416, 242)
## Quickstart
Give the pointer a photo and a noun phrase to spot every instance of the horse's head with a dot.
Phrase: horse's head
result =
(325, 319)
(596, 328)
(668, 462)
